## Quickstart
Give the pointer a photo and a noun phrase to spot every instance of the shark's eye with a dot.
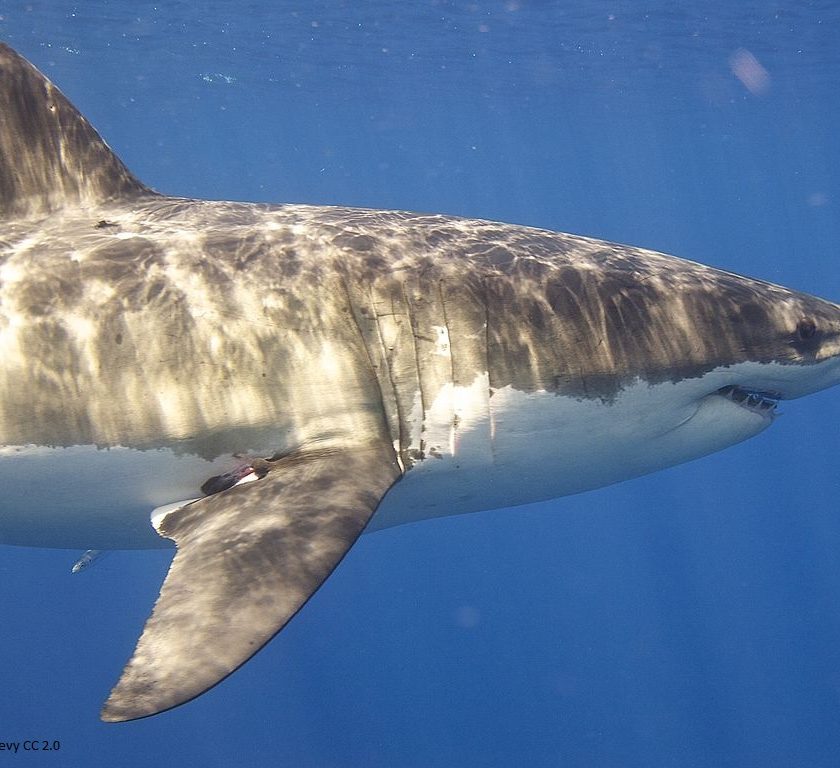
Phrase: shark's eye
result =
(806, 329)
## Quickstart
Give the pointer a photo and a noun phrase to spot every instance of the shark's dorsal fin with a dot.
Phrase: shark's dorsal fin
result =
(50, 156)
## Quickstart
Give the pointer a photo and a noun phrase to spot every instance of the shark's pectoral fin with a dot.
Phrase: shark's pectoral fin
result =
(248, 558)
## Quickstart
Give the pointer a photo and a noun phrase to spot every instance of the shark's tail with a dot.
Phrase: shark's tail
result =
(50, 156)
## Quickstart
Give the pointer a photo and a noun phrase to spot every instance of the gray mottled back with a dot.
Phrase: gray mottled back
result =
(216, 301)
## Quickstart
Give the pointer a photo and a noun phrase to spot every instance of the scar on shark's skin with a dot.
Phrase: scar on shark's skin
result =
(256, 469)
(256, 385)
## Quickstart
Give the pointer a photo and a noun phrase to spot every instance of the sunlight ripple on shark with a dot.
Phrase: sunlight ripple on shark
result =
(258, 383)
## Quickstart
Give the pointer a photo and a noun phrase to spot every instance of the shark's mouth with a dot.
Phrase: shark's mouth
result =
(762, 403)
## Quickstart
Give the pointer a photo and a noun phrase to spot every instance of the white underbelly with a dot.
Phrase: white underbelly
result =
(526, 447)
(84, 497)
(529, 447)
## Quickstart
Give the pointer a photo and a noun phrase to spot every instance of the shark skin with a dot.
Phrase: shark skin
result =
(257, 385)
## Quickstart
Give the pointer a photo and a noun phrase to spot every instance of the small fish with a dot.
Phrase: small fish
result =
(87, 559)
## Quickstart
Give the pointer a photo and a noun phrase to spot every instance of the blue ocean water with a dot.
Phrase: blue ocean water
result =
(690, 618)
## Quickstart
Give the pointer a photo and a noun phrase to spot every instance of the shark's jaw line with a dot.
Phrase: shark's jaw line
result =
(755, 401)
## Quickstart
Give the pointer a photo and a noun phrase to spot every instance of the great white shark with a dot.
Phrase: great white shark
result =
(259, 384)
